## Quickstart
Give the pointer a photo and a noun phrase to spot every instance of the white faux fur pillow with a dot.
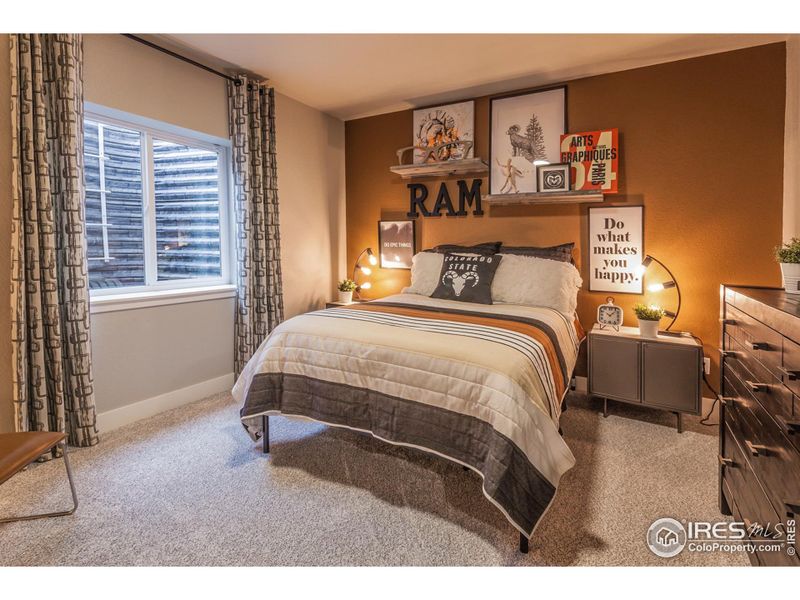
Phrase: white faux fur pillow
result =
(425, 269)
(535, 281)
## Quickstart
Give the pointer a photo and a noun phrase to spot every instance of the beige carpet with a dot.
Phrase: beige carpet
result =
(189, 488)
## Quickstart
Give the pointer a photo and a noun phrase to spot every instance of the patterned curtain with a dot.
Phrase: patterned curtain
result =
(259, 285)
(52, 375)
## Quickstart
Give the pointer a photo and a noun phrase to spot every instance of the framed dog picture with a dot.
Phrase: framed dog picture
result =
(397, 244)
(525, 132)
(553, 178)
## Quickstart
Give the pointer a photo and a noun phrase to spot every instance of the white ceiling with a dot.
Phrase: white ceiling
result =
(351, 76)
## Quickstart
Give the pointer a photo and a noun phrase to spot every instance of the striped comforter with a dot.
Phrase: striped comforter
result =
(479, 384)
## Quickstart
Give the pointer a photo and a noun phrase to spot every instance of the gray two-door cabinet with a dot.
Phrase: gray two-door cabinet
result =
(664, 373)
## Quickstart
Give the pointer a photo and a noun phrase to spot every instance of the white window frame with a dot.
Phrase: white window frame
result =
(156, 292)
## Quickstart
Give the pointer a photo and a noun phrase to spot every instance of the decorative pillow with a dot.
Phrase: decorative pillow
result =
(425, 269)
(467, 278)
(533, 281)
(562, 252)
(484, 248)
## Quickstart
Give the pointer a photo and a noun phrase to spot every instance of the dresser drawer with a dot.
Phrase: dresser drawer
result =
(776, 398)
(748, 501)
(791, 365)
(765, 344)
(775, 462)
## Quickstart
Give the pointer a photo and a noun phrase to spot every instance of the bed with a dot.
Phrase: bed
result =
(481, 385)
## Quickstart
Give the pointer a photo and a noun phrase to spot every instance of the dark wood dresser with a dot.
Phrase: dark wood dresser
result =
(759, 458)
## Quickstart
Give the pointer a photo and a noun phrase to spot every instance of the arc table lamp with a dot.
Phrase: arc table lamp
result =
(365, 270)
(665, 285)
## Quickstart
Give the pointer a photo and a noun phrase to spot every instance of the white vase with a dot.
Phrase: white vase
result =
(345, 297)
(648, 329)
(791, 277)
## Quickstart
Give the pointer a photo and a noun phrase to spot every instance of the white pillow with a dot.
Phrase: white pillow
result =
(425, 270)
(532, 281)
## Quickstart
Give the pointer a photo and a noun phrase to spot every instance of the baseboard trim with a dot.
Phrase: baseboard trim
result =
(581, 384)
(124, 415)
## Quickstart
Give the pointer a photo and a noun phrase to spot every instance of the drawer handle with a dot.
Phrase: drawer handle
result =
(790, 374)
(727, 353)
(755, 449)
(757, 345)
(725, 462)
(727, 321)
(789, 426)
(755, 386)
(726, 400)
(792, 507)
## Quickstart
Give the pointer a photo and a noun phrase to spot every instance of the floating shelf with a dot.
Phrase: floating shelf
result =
(587, 197)
(466, 166)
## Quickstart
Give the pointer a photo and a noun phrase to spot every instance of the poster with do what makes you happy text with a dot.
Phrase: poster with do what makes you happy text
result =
(616, 249)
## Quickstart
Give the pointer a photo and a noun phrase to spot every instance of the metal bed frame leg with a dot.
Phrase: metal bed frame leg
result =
(523, 544)
(265, 436)
(62, 513)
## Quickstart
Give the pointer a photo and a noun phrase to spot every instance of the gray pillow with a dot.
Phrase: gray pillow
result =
(467, 278)
(562, 252)
(484, 248)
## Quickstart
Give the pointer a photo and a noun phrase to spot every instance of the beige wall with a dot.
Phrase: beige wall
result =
(143, 353)
(311, 191)
(126, 75)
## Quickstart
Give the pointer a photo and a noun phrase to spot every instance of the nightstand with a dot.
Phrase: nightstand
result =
(335, 304)
(664, 373)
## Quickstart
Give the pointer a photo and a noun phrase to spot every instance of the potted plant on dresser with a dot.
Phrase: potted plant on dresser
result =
(649, 317)
(788, 255)
(346, 289)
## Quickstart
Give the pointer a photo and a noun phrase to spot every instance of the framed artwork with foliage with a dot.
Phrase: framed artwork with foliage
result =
(437, 126)
(525, 132)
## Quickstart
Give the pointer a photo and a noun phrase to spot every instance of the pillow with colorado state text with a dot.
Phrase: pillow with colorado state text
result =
(467, 278)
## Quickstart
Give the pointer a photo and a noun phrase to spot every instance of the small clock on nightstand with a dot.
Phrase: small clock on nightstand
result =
(609, 314)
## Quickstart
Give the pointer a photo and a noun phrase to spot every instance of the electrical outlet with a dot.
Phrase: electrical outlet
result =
(707, 365)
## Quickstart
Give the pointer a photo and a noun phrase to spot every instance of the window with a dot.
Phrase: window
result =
(156, 207)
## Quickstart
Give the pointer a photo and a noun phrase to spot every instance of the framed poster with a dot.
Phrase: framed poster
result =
(397, 244)
(594, 156)
(525, 131)
(441, 124)
(616, 248)
(553, 178)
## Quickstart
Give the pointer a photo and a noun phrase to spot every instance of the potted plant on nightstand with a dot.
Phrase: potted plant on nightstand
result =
(788, 256)
(346, 289)
(648, 316)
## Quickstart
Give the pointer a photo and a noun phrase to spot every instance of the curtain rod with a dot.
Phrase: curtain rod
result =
(136, 38)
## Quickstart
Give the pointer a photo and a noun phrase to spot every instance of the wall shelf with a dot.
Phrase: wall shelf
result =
(574, 197)
(466, 166)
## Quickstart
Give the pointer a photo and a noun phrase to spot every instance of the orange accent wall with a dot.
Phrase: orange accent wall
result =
(701, 147)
